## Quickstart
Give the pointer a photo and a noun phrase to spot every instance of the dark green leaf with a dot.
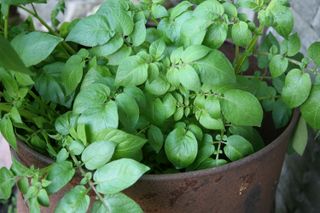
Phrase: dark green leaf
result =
(109, 48)
(74, 201)
(59, 174)
(294, 44)
(7, 181)
(215, 69)
(155, 138)
(237, 147)
(211, 163)
(72, 73)
(281, 114)
(313, 52)
(250, 134)
(35, 47)
(9, 59)
(297, 88)
(7, 131)
(118, 175)
(91, 31)
(128, 110)
(311, 108)
(241, 108)
(181, 147)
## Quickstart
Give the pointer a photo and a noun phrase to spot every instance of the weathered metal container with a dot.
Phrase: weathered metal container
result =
(247, 185)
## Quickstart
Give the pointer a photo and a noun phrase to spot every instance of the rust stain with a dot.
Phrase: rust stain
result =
(245, 183)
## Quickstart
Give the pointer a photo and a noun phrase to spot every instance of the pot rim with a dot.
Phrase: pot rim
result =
(204, 172)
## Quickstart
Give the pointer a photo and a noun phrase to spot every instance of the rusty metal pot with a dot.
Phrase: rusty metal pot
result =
(247, 185)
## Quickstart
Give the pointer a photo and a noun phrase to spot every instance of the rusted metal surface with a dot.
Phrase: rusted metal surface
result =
(247, 185)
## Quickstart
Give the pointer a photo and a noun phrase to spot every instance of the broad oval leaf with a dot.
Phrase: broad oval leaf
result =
(117, 203)
(311, 108)
(91, 31)
(59, 175)
(118, 175)
(74, 201)
(181, 147)
(241, 34)
(278, 65)
(194, 53)
(132, 72)
(237, 147)
(241, 108)
(126, 143)
(155, 138)
(215, 69)
(189, 78)
(297, 88)
(294, 44)
(313, 52)
(216, 35)
(97, 154)
(128, 110)
(109, 48)
(34, 47)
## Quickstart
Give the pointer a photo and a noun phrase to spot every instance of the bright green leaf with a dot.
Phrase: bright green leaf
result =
(241, 34)
(311, 108)
(278, 65)
(313, 52)
(237, 147)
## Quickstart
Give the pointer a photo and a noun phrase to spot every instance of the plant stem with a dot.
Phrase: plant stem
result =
(250, 48)
(91, 184)
(52, 31)
(5, 27)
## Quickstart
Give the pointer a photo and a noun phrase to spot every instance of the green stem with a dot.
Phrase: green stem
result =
(5, 27)
(218, 151)
(91, 184)
(249, 50)
(51, 30)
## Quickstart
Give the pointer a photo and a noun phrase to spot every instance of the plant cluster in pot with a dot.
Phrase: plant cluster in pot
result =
(108, 115)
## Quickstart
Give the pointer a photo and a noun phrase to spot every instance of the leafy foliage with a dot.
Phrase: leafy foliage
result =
(137, 88)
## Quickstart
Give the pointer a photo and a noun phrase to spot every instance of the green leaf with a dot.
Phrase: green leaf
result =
(109, 48)
(97, 154)
(76, 147)
(43, 198)
(179, 9)
(91, 31)
(34, 47)
(210, 9)
(281, 114)
(300, 137)
(158, 11)
(313, 52)
(189, 78)
(230, 9)
(216, 35)
(118, 175)
(241, 34)
(117, 203)
(241, 108)
(157, 49)
(72, 73)
(158, 86)
(132, 72)
(282, 16)
(181, 147)
(297, 88)
(250, 134)
(7, 131)
(19, 2)
(193, 31)
(237, 147)
(100, 117)
(65, 122)
(294, 45)
(311, 108)
(62, 155)
(118, 16)
(215, 69)
(128, 110)
(60, 7)
(194, 53)
(209, 122)
(211, 163)
(126, 143)
(7, 181)
(74, 201)
(139, 33)
(9, 59)
(59, 175)
(155, 138)
(278, 65)
(48, 84)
